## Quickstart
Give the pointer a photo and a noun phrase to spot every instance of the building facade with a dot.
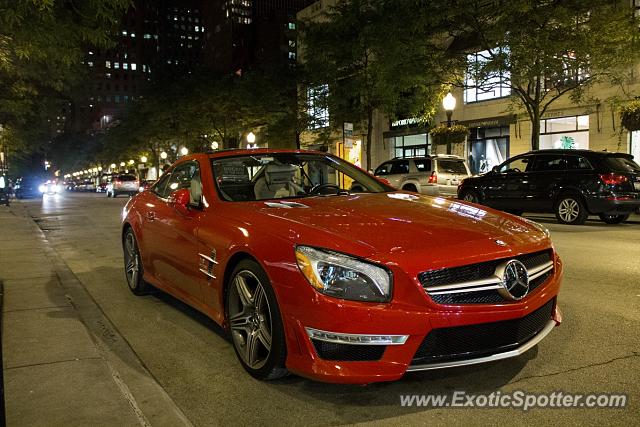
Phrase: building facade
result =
(498, 128)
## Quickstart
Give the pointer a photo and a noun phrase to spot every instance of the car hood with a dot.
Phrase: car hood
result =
(388, 225)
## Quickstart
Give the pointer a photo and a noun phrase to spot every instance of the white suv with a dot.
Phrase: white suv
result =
(434, 175)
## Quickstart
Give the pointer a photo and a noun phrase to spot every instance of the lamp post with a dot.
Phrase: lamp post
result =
(251, 139)
(449, 104)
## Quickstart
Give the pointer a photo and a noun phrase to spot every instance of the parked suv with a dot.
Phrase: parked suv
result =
(122, 184)
(570, 183)
(435, 175)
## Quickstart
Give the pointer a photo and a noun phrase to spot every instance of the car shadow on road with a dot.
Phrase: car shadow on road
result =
(592, 222)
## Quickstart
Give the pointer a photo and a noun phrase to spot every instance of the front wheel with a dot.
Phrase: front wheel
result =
(133, 265)
(470, 196)
(571, 209)
(255, 323)
(613, 218)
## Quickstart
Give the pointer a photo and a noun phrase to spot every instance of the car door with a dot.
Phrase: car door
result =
(173, 233)
(503, 188)
(547, 175)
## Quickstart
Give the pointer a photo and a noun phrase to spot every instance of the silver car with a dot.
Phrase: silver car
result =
(434, 175)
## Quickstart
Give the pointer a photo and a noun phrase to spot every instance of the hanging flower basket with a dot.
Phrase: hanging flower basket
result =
(442, 134)
(630, 115)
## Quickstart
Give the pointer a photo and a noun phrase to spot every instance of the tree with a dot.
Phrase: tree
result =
(367, 53)
(42, 46)
(546, 49)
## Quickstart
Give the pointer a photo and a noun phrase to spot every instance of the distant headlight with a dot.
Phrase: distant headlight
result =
(342, 276)
(42, 188)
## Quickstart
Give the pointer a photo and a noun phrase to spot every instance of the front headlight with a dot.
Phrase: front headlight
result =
(42, 188)
(342, 276)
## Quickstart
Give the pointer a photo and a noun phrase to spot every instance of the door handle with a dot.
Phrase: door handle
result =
(151, 216)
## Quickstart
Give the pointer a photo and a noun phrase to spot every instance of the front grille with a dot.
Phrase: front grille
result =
(484, 297)
(479, 271)
(348, 352)
(468, 342)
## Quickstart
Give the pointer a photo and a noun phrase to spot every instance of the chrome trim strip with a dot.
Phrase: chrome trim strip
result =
(207, 273)
(499, 356)
(211, 260)
(469, 284)
(474, 289)
(540, 273)
(353, 339)
(539, 268)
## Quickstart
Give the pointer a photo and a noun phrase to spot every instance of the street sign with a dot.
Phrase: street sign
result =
(348, 129)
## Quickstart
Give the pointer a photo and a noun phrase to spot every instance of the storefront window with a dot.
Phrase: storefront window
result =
(634, 149)
(565, 132)
(412, 145)
(489, 148)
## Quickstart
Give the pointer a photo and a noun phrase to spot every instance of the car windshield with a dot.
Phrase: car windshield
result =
(289, 175)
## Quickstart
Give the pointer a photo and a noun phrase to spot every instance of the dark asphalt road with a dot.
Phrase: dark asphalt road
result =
(597, 349)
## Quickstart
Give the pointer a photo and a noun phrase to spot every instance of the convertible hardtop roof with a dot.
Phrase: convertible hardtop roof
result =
(233, 152)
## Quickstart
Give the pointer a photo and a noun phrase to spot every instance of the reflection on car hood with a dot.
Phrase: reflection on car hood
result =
(403, 223)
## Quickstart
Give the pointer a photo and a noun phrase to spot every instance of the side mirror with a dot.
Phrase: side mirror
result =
(495, 169)
(180, 199)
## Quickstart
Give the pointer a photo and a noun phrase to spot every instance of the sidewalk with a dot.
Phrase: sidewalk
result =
(63, 361)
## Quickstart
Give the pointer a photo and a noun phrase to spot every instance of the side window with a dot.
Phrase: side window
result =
(187, 175)
(452, 166)
(423, 165)
(578, 163)
(160, 188)
(521, 164)
(550, 163)
(383, 169)
(400, 167)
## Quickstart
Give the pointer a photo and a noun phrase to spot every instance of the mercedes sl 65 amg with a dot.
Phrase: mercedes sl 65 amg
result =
(318, 268)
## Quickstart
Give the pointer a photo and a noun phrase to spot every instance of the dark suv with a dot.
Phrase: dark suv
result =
(570, 183)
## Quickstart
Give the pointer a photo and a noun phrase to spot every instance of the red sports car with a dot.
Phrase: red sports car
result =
(318, 268)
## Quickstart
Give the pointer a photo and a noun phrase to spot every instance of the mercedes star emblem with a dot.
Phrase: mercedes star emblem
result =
(515, 281)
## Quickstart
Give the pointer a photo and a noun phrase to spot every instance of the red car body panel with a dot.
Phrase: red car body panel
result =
(405, 232)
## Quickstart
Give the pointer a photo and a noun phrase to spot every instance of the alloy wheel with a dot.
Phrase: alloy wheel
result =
(470, 197)
(250, 319)
(569, 209)
(131, 260)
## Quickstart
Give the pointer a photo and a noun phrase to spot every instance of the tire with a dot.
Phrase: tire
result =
(570, 209)
(410, 187)
(470, 196)
(613, 218)
(255, 323)
(133, 269)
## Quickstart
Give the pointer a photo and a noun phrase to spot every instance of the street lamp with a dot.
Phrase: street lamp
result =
(163, 155)
(131, 161)
(251, 138)
(214, 145)
(113, 166)
(122, 164)
(184, 151)
(449, 104)
(143, 159)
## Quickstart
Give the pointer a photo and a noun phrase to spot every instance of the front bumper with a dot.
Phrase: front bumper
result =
(408, 324)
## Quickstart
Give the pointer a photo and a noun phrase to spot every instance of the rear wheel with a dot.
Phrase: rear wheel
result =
(613, 218)
(570, 209)
(133, 265)
(255, 323)
(470, 196)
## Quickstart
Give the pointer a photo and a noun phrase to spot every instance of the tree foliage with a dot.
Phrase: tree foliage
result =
(374, 56)
(551, 48)
(42, 45)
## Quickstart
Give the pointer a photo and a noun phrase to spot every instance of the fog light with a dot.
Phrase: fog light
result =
(356, 339)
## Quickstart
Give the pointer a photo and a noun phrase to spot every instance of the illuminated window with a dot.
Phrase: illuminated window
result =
(480, 84)
(133, 66)
(565, 132)
(116, 65)
(125, 66)
(107, 64)
(317, 108)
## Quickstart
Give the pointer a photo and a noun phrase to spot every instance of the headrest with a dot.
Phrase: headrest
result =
(279, 174)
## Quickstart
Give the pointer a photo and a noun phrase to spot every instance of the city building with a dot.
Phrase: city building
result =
(497, 129)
